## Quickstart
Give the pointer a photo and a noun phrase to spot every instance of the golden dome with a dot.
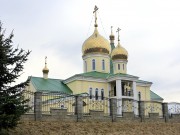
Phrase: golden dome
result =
(119, 53)
(96, 44)
(45, 70)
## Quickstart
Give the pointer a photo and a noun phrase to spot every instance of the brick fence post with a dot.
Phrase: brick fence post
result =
(37, 106)
(165, 111)
(79, 107)
(113, 109)
(141, 110)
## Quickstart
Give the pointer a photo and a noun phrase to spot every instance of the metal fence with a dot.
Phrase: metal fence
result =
(30, 96)
(97, 103)
(173, 108)
(153, 107)
(92, 104)
(57, 100)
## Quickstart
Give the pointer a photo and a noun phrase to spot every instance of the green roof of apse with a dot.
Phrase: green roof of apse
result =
(50, 85)
(154, 96)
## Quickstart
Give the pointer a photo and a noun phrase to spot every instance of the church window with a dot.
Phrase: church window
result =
(96, 94)
(114, 90)
(85, 66)
(103, 65)
(102, 94)
(90, 93)
(118, 66)
(93, 64)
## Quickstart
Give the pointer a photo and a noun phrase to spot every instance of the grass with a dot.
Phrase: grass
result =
(94, 128)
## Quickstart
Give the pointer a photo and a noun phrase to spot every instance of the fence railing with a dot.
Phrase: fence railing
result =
(57, 100)
(86, 105)
(173, 108)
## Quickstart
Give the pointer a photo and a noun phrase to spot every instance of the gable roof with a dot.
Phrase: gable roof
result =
(50, 85)
(155, 96)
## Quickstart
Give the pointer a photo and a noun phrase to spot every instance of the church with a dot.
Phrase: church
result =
(104, 74)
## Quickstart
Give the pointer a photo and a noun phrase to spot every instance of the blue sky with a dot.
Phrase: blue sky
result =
(57, 29)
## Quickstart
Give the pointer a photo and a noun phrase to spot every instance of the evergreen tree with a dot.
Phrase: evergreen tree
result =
(12, 102)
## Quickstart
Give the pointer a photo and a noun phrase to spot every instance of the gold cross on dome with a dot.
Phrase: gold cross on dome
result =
(111, 30)
(95, 12)
(118, 33)
(45, 60)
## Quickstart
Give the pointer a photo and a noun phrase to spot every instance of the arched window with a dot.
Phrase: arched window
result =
(102, 94)
(90, 93)
(85, 66)
(96, 94)
(123, 66)
(93, 64)
(118, 66)
(103, 65)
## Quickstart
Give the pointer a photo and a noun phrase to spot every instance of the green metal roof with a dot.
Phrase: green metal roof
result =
(101, 75)
(154, 96)
(50, 85)
(141, 81)
(95, 74)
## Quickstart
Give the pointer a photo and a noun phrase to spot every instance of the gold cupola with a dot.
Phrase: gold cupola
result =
(96, 43)
(45, 70)
(119, 52)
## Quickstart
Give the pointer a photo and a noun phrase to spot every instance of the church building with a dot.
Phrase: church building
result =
(104, 74)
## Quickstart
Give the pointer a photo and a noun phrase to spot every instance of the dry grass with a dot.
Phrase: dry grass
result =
(95, 128)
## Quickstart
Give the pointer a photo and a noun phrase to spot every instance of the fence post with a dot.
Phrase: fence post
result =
(37, 106)
(142, 110)
(113, 109)
(165, 111)
(79, 107)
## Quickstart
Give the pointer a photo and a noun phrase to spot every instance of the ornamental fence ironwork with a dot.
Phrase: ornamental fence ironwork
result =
(173, 108)
(30, 96)
(153, 107)
(92, 106)
(52, 100)
(96, 103)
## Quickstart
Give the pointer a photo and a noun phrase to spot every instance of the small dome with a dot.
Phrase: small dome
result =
(45, 70)
(96, 44)
(119, 53)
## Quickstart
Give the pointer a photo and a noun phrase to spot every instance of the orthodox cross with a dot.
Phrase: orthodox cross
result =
(45, 60)
(118, 33)
(95, 12)
(111, 30)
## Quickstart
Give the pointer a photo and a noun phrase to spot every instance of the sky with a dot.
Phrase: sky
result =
(150, 32)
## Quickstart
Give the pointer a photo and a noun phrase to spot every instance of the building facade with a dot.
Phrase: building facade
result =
(105, 75)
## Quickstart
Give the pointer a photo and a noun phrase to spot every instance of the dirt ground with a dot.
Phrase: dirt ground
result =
(95, 128)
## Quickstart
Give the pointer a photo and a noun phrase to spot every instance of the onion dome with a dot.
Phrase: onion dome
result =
(119, 53)
(96, 44)
(111, 37)
(45, 69)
